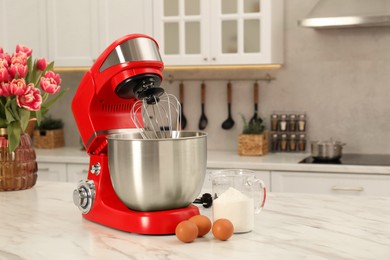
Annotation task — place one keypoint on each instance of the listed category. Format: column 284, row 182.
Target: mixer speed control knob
column 84, row 195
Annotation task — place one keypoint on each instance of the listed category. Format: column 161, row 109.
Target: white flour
column 236, row 207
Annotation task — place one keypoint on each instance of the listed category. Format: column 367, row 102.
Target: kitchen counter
column 62, row 155
column 229, row 159
column 42, row 223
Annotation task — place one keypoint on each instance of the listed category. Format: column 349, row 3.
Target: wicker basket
column 49, row 138
column 253, row 145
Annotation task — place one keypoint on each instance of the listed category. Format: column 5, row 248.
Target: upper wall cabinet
column 72, row 32
column 80, row 30
column 219, row 32
column 23, row 22
column 121, row 17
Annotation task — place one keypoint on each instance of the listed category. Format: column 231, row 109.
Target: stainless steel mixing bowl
column 157, row 174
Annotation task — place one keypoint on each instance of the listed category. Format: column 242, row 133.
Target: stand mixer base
column 147, row 223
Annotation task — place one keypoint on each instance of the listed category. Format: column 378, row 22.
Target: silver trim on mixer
column 108, row 132
column 136, row 49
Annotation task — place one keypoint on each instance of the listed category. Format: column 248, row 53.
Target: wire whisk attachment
column 159, row 119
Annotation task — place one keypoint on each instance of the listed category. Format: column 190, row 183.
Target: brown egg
column 186, row 231
column 203, row 223
column 222, row 229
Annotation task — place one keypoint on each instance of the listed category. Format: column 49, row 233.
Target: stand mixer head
column 128, row 70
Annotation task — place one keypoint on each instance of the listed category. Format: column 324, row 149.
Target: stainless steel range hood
column 347, row 14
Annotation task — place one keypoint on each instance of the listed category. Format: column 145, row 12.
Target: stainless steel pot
column 157, row 174
column 326, row 150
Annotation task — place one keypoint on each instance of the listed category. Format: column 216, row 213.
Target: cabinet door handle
column 347, row 188
column 44, row 169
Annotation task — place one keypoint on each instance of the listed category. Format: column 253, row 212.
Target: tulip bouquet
column 25, row 89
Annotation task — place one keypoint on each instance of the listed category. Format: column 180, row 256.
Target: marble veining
column 43, row 223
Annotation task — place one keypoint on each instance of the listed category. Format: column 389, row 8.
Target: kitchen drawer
column 330, row 183
column 77, row 172
column 52, row 172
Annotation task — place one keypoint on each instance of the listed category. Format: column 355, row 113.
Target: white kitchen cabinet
column 52, row 172
column 72, row 28
column 23, row 22
column 77, row 172
column 62, row 172
column 219, row 32
column 121, row 17
column 331, row 183
column 79, row 31
column 72, row 32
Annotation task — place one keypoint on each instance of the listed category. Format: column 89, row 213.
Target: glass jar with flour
column 239, row 195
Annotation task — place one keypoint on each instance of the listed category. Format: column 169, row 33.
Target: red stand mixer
column 127, row 71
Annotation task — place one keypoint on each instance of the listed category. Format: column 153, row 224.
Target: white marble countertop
column 42, row 223
column 229, row 159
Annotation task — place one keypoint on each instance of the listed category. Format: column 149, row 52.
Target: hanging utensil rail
column 267, row 77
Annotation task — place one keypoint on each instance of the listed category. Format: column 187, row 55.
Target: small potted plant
column 253, row 140
column 49, row 134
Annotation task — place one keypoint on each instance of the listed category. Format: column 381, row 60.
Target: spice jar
column 274, row 143
column 283, row 123
column 302, row 123
column 292, row 147
column 302, row 143
column 274, row 122
column 283, row 143
column 292, row 122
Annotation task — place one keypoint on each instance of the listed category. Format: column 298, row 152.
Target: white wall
column 340, row 77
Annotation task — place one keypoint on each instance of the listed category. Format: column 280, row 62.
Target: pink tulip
column 19, row 57
column 6, row 57
column 18, row 87
column 41, row 64
column 3, row 73
column 32, row 100
column 51, row 74
column 1, row 50
column 24, row 49
column 50, row 82
column 18, row 70
column 5, row 89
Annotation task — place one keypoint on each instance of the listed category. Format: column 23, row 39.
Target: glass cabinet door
column 182, row 25
column 219, row 32
column 238, row 24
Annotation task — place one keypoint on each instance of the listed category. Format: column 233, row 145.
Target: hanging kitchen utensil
column 256, row 102
column 229, row 122
column 182, row 117
column 203, row 119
